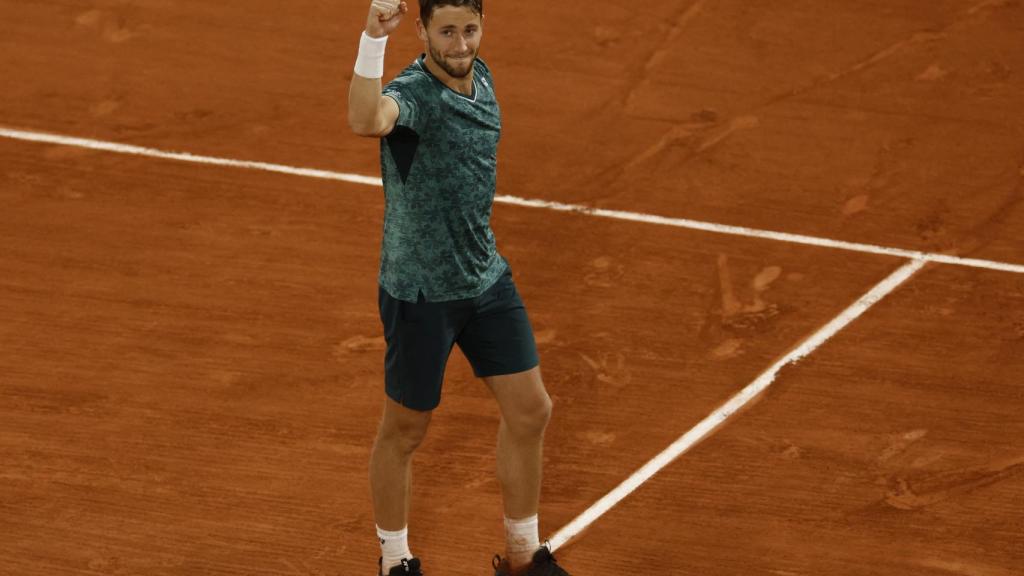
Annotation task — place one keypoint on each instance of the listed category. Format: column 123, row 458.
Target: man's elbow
column 373, row 127
column 361, row 128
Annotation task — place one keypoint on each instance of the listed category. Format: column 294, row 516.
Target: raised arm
column 370, row 113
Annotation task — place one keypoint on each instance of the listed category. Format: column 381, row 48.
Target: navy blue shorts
column 492, row 330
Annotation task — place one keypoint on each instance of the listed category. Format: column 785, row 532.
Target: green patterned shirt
column 439, row 167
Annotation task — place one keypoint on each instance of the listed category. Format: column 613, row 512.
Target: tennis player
column 442, row 280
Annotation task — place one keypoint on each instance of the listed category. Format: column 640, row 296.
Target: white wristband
column 370, row 62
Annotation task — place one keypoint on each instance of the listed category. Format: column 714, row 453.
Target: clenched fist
column 384, row 17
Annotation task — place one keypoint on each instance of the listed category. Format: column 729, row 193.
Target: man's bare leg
column 525, row 412
column 401, row 432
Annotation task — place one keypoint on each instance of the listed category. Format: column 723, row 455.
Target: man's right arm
column 369, row 112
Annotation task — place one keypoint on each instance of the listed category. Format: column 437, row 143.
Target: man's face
column 453, row 38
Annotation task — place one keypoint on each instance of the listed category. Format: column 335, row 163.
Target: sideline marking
column 557, row 206
column 709, row 424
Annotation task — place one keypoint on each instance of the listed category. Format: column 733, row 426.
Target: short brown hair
column 427, row 7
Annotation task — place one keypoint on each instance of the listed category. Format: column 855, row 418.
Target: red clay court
column 773, row 254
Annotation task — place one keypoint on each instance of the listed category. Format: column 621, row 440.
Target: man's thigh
column 498, row 339
column 420, row 337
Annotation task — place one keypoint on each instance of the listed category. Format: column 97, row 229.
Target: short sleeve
column 403, row 91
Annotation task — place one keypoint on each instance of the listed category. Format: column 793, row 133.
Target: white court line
column 767, row 235
column 183, row 156
column 741, row 399
column 557, row 206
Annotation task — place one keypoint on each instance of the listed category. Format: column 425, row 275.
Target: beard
column 460, row 70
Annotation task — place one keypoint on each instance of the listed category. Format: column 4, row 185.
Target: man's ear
column 421, row 30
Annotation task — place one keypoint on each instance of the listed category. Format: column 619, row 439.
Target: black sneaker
column 408, row 567
column 543, row 564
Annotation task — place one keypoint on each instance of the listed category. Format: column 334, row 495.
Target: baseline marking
column 183, row 156
column 742, row 398
column 767, row 235
column 556, row 206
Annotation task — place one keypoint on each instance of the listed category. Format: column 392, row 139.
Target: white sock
column 393, row 547
column 522, row 539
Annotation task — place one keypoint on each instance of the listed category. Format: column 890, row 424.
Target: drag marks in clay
column 915, row 473
column 113, row 27
column 741, row 316
column 914, row 491
column 742, row 312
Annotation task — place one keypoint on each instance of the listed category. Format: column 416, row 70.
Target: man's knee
column 403, row 428
column 530, row 419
